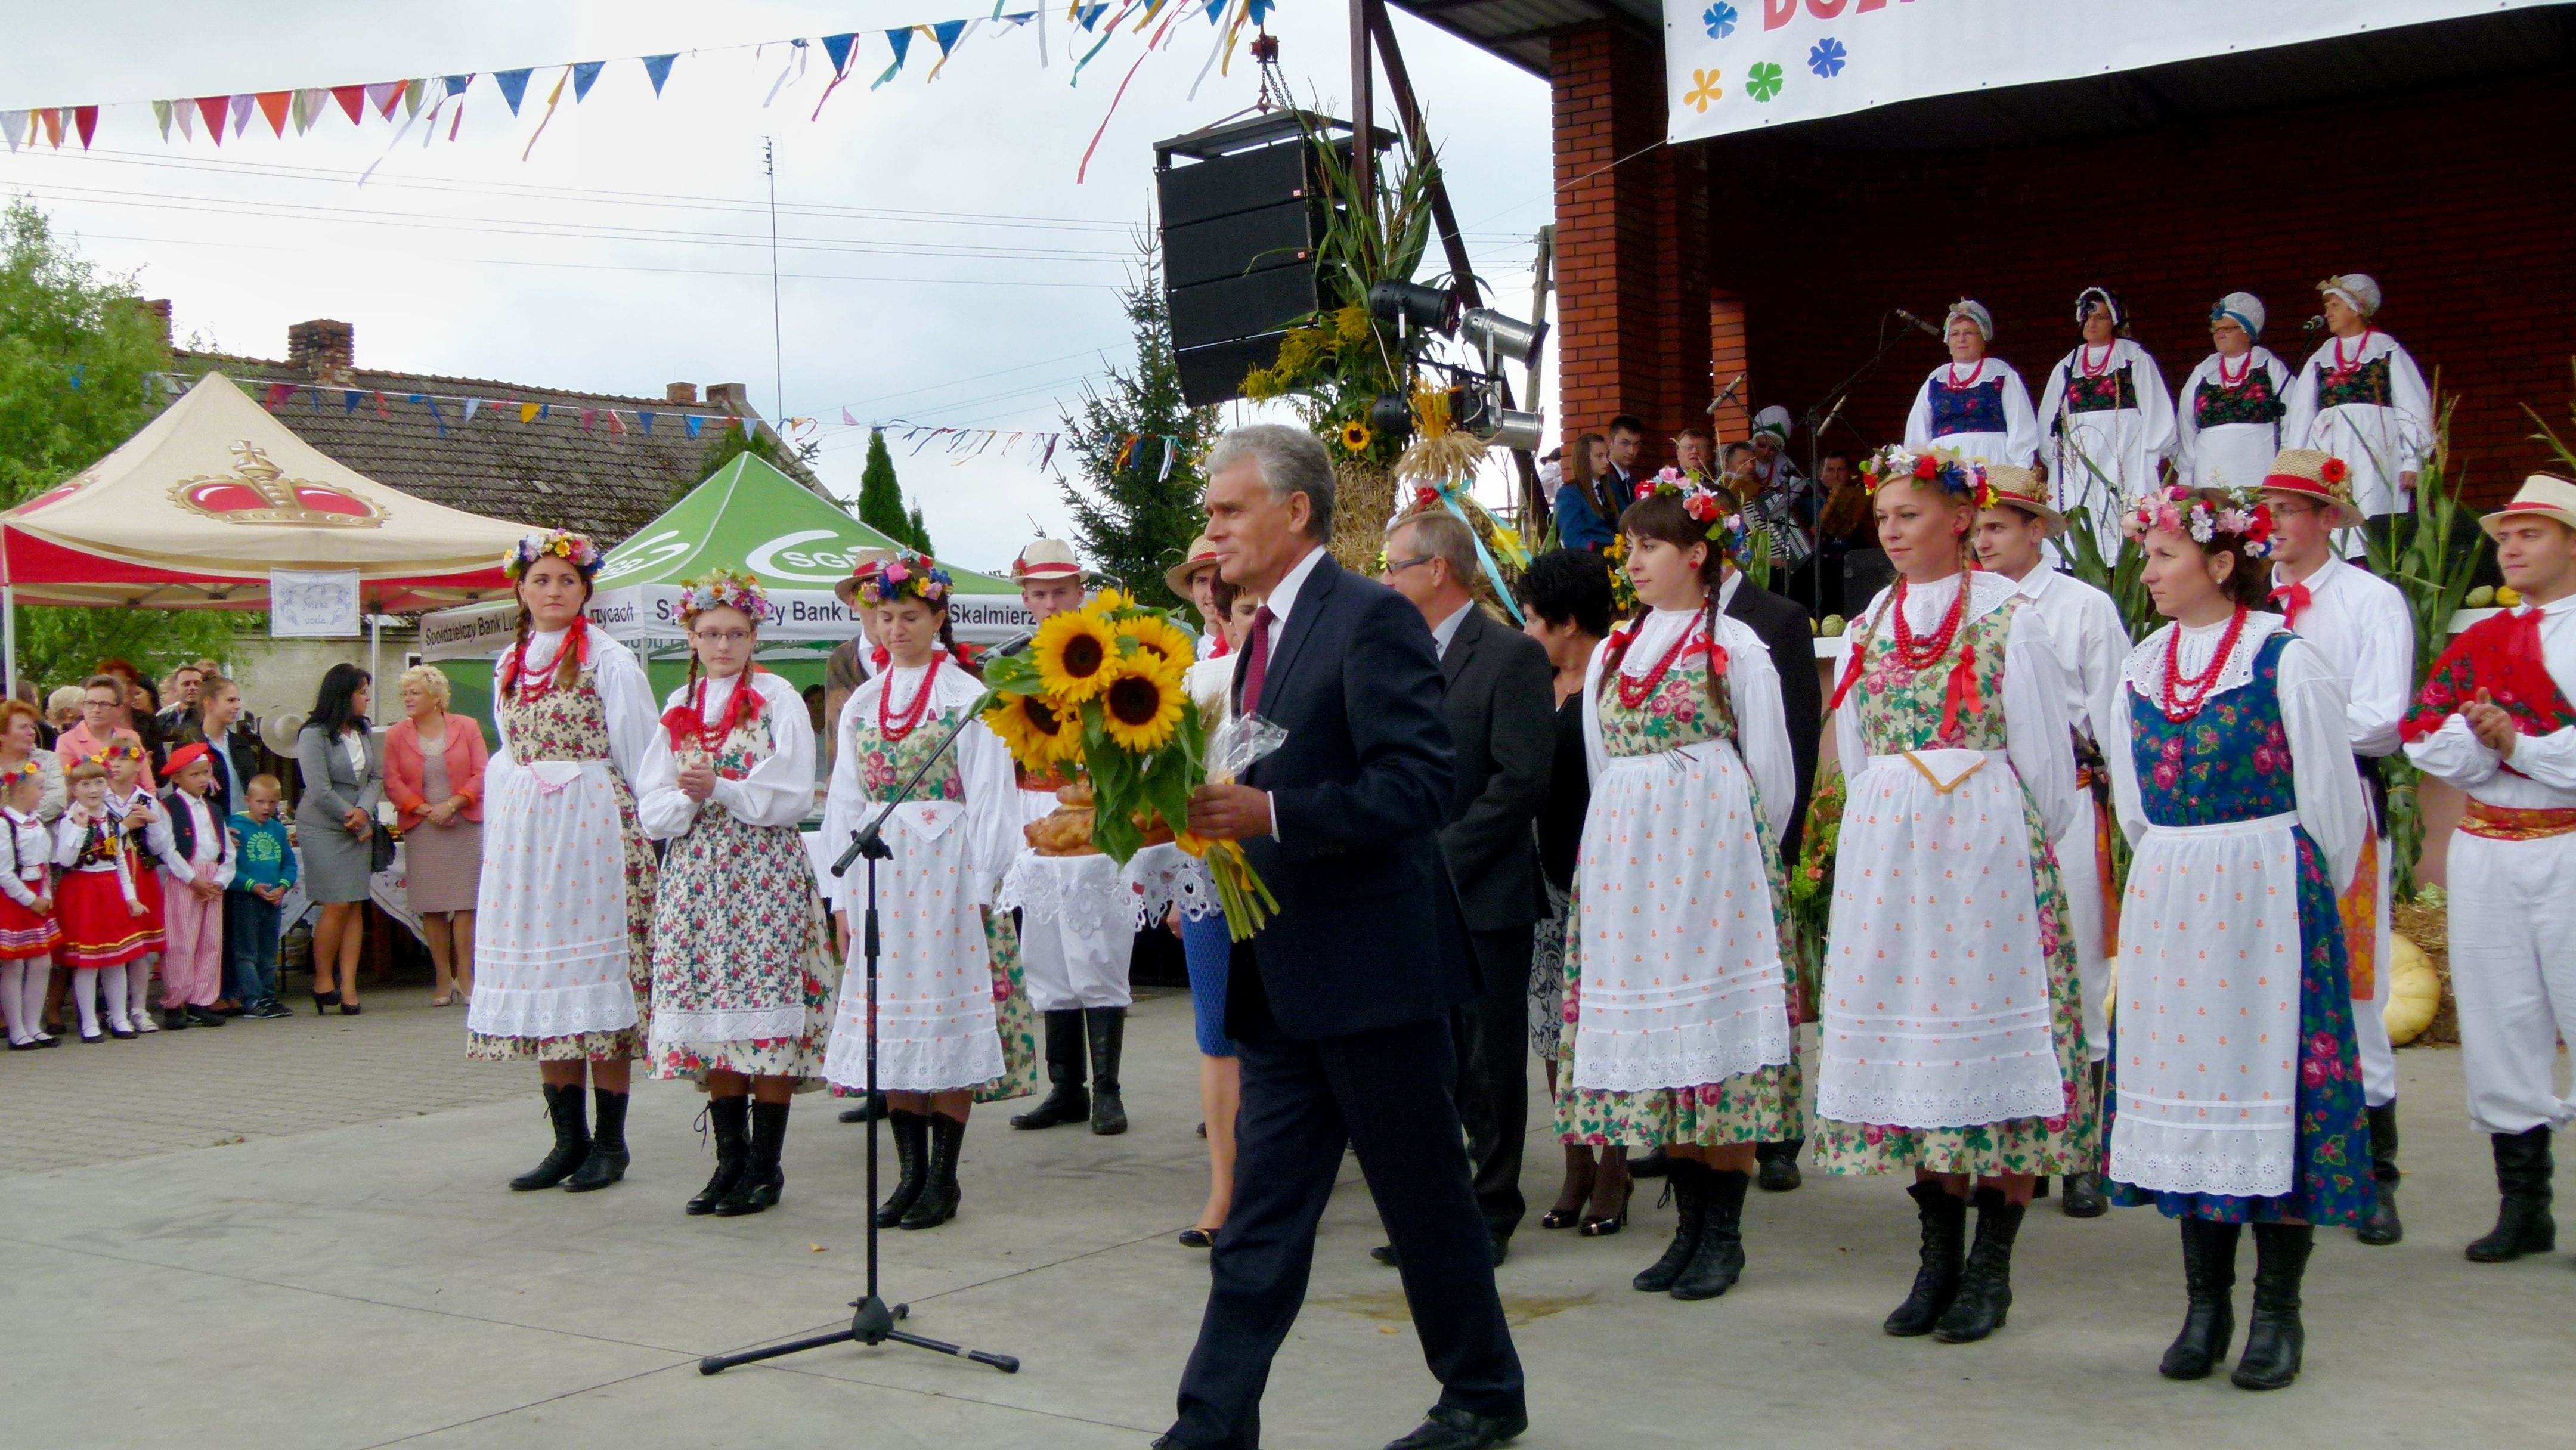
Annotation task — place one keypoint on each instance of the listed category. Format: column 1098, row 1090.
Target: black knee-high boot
column 2274, row 1338
column 911, row 1134
column 1684, row 1180
column 939, row 1193
column 2383, row 1227
column 572, row 1139
column 608, row 1156
column 2084, row 1197
column 1719, row 1260
column 1106, row 1030
column 2523, row 1222
column 1985, row 1282
column 762, row 1179
column 1936, row 1283
column 1065, row 1102
column 2209, row 1277
column 730, row 1119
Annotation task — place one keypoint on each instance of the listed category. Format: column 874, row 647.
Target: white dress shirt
column 778, row 790
column 2543, row 773
column 2085, row 632
column 1281, row 599
column 2360, row 623
column 1447, row 630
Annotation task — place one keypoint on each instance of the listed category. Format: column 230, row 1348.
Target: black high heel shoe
column 323, row 1002
column 1602, row 1226
column 350, row 1009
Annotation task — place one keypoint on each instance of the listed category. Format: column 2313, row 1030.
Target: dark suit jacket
column 1501, row 712
column 1366, row 933
column 1784, row 629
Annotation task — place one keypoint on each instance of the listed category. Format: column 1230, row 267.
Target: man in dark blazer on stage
column 1339, row 1005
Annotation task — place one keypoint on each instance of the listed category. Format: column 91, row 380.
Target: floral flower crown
column 574, row 549
column 1946, row 471
column 12, row 774
column 1708, row 505
column 723, row 589
column 907, row 574
column 2178, row 510
column 110, row 755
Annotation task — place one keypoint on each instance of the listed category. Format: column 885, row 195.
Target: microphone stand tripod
column 872, row 1321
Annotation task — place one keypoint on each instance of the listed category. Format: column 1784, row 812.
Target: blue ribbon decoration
column 1449, row 494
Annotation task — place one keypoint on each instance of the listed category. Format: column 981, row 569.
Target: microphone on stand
column 1727, row 396
column 2313, row 326
column 1928, row 328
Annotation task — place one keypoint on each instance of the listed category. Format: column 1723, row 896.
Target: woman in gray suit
column 335, row 824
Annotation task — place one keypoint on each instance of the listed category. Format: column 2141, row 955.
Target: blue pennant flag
column 901, row 40
column 456, row 84
column 314, row 395
column 693, row 422
column 349, row 401
column 838, row 48
column 583, row 73
column 1259, row 9
column 1216, row 10
column 946, row 32
column 514, row 85
column 1091, row 14
column 647, row 420
column 437, row 418
column 657, row 69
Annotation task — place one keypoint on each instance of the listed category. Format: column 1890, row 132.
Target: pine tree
column 1138, row 445
column 917, row 533
column 881, row 496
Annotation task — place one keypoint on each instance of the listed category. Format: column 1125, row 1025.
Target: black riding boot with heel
column 2382, row 1228
column 2274, row 1338
column 572, row 1139
column 1685, row 1181
column 939, row 1194
column 911, row 1134
column 1985, row 1283
column 762, row 1179
column 1105, row 1029
column 2209, row 1277
column 1945, row 1232
column 608, row 1156
column 1065, row 1101
column 1719, row 1260
column 730, row 1120
column 2523, row 1223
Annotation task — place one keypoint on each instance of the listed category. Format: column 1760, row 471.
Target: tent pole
column 9, row 631
column 376, row 652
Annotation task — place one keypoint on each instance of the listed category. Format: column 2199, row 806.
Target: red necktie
column 2298, row 597
column 1256, row 659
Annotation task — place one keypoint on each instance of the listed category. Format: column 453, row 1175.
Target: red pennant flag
column 52, row 116
column 381, row 410
column 588, row 417
column 85, row 121
column 273, row 105
column 350, row 98
column 214, row 109
column 615, row 426
column 279, row 393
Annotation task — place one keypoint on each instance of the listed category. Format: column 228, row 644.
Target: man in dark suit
column 1784, row 628
column 1339, row 1005
column 1502, row 722
column 1627, row 444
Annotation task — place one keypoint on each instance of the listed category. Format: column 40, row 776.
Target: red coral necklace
column 1970, row 380
column 1635, row 693
column 1920, row 654
column 892, row 729
column 2183, row 695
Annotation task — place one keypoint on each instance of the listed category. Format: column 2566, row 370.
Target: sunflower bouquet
column 1100, row 692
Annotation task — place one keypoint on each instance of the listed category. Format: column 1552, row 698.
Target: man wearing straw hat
column 2362, row 625
column 854, row 660
column 2014, row 524
column 1194, row 579
column 1078, row 982
column 2494, row 720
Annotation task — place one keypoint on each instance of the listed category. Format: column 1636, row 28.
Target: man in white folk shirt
column 2494, row 720
column 2361, row 623
column 2013, row 528
column 1077, row 980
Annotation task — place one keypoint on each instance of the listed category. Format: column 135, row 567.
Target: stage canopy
column 198, row 508
column 746, row 516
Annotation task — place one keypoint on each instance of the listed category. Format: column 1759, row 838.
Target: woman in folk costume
column 1973, row 405
column 954, row 1023
column 564, row 915
column 742, row 963
column 2236, row 1080
column 29, row 934
column 2228, row 414
column 2108, row 420
column 2362, row 399
column 1952, row 1032
column 1679, row 1024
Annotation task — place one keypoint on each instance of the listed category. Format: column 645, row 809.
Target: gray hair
column 1439, row 534
column 1289, row 460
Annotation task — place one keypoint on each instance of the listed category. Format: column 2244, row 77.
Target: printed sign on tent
column 313, row 604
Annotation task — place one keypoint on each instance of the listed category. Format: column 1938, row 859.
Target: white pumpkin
column 2414, row 992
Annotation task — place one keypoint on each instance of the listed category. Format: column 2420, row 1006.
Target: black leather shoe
column 1384, row 1254
column 572, row 1140
column 2382, row 1227
column 1448, row 1428
column 2084, row 1197
column 1652, row 1165
column 2275, row 1338
column 174, row 1019
column 2209, row 1276
column 607, row 1160
column 868, row 1111
column 1944, row 1216
column 729, row 1120
column 2523, row 1222
column 1780, row 1172
column 203, row 1017
column 1718, row 1261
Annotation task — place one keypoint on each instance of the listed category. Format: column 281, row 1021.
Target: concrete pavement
column 350, row 1273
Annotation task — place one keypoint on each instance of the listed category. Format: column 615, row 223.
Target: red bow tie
column 2299, row 598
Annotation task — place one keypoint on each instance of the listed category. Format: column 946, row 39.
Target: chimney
column 685, row 394
column 158, row 309
column 323, row 348
column 734, row 398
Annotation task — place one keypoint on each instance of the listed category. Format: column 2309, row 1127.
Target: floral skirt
column 2069, row 1142
column 2330, row 1179
column 1547, row 977
column 743, row 970
column 621, row 1044
column 1014, row 1018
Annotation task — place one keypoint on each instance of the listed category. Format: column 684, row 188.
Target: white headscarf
column 1973, row 311
column 2358, row 290
column 1773, row 420
column 2245, row 308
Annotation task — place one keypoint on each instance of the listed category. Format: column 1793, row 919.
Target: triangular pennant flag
column 314, row 396
column 1216, row 10
column 242, row 107
column 837, row 47
column 945, row 32
column 456, row 84
column 1259, row 9
column 160, row 117
column 414, row 92
column 350, row 99
column 545, row 411
column 80, row 375
column 381, row 97
column 646, row 419
column 349, row 400
column 471, row 405
column 13, row 127
column 382, row 411
column 614, row 426
column 528, row 412
column 274, row 105
column 901, row 41
column 657, row 69
column 185, row 113
column 437, row 419
column 51, row 117
column 588, row 417
column 1091, row 15
column 212, row 109
column 847, row 421
column 691, row 423
column 308, row 107
column 514, row 85
column 583, row 73
column 279, row 393
column 85, row 121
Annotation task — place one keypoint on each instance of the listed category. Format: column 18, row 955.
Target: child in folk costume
column 2237, row 1081
column 954, row 1025
column 564, row 916
column 1952, row 1034
column 192, row 960
column 2495, row 720
column 99, row 902
column 2228, row 414
column 2014, row 523
column 1973, row 405
column 2362, row 399
column 2107, row 419
column 1678, row 1015
column 146, row 829
column 742, row 963
column 28, row 932
column 2361, row 624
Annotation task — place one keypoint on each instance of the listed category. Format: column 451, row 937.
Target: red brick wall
column 2462, row 204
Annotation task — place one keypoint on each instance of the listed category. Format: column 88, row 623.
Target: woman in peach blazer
column 434, row 777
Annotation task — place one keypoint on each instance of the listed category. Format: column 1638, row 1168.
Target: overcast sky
column 941, row 264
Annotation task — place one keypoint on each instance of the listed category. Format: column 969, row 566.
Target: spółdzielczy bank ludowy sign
column 1740, row 65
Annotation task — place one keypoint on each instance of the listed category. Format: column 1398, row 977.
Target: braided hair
column 567, row 661
column 1663, row 516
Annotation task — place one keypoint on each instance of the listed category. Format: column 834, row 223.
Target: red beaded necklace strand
column 1635, row 693
column 887, row 725
column 1920, row 654
column 2183, row 695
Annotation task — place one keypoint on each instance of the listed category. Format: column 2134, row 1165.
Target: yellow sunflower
column 1072, row 652
column 1109, row 601
column 1356, row 437
column 1158, row 637
column 1038, row 737
column 1141, row 708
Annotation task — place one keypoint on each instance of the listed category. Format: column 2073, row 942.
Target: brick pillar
column 1729, row 357
column 1632, row 244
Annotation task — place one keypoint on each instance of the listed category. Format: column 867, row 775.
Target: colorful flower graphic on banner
column 1720, row 19
column 1704, row 89
column 1826, row 57
column 1762, row 82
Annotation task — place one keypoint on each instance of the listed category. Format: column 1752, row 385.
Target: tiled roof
column 551, row 472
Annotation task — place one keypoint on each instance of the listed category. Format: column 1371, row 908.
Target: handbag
column 380, row 849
